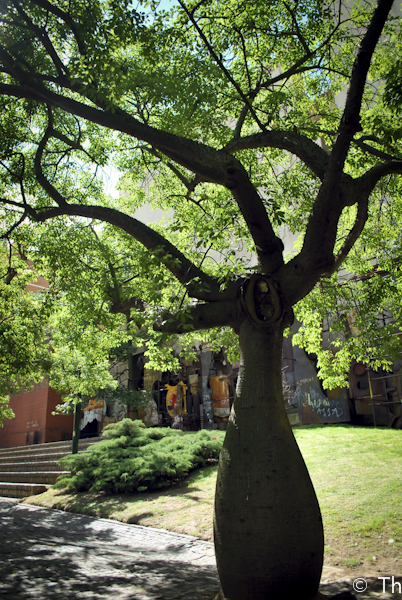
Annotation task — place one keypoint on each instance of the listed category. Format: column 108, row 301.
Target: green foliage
column 5, row 411
column 257, row 67
column 134, row 399
column 134, row 458
column 24, row 352
column 357, row 314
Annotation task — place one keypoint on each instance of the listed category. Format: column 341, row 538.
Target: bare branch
column 296, row 67
column 74, row 145
column 13, row 203
column 13, row 227
column 300, row 37
column 186, row 182
column 244, row 51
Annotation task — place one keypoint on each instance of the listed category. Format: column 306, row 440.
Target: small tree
column 204, row 106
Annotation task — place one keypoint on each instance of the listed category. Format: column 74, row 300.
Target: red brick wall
column 33, row 422
column 58, row 427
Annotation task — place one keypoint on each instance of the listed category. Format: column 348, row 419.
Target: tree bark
column 267, row 524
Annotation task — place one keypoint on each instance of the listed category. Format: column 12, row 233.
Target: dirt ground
column 386, row 562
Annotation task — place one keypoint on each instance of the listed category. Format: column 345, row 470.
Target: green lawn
column 357, row 474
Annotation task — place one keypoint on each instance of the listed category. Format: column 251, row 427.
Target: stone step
column 29, row 470
column 51, row 448
column 45, row 465
column 21, row 490
column 38, row 477
column 38, row 458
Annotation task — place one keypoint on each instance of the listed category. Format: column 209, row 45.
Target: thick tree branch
column 201, row 316
column 354, row 233
column 368, row 181
column 209, row 163
column 335, row 192
column 44, row 38
column 351, row 115
column 11, row 273
column 125, row 305
column 297, row 278
column 240, row 121
column 373, row 151
column 269, row 248
column 206, row 287
column 217, row 166
column 301, row 146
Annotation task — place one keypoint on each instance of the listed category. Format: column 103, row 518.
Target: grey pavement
column 50, row 554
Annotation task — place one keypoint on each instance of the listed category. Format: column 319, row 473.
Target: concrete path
column 54, row 555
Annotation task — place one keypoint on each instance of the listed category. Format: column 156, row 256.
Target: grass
column 185, row 507
column 357, row 474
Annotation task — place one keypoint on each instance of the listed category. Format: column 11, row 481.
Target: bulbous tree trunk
column 268, row 529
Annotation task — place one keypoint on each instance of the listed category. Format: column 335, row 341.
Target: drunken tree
column 227, row 114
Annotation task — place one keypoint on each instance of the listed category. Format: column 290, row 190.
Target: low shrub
column 136, row 458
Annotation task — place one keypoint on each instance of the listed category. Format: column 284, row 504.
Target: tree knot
column 263, row 300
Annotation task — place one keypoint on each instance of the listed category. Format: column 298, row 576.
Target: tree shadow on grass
column 51, row 555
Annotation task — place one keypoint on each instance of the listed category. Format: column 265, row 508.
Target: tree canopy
column 229, row 118
column 243, row 121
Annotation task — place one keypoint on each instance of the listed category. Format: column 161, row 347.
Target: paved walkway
column 50, row 554
column 54, row 555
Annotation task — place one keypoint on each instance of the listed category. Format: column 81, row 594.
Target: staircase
column 28, row 470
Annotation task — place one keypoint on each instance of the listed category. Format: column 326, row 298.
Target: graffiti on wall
column 316, row 407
